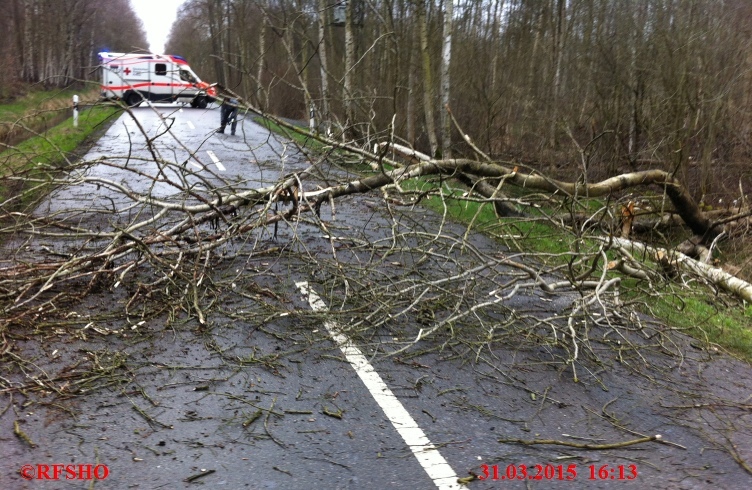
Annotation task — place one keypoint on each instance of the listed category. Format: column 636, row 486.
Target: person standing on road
column 228, row 113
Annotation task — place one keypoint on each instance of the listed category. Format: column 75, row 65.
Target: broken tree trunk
column 683, row 203
column 677, row 260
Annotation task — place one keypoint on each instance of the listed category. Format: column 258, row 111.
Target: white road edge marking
column 190, row 123
column 428, row 456
column 216, row 160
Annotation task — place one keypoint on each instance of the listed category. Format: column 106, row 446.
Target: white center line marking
column 428, row 456
column 216, row 160
column 190, row 124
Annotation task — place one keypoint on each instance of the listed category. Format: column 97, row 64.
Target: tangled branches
column 161, row 222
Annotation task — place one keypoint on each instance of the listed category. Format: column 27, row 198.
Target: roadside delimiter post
column 75, row 111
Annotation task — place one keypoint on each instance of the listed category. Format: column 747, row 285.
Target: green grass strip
column 41, row 156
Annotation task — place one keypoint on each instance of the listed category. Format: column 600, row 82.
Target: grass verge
column 300, row 139
column 28, row 167
column 38, row 111
column 694, row 309
column 701, row 315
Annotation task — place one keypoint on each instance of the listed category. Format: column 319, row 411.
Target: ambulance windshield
column 188, row 76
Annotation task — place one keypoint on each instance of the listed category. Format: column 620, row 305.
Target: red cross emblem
column 127, row 71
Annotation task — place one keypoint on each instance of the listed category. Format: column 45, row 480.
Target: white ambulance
column 135, row 77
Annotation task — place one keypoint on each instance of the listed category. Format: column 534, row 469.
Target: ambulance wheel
column 201, row 102
column 133, row 99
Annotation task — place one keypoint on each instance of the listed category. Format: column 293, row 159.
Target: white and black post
column 312, row 120
column 75, row 111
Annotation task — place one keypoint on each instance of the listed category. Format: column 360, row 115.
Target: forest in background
column 600, row 87
column 54, row 43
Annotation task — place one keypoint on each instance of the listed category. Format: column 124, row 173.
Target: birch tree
column 446, row 58
column 429, row 92
column 323, row 64
column 348, row 89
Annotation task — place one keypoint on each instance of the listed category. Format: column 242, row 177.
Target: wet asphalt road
column 247, row 405
column 252, row 158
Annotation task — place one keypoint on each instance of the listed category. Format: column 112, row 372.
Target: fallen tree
column 673, row 261
column 178, row 236
column 472, row 172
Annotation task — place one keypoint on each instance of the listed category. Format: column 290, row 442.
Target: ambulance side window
column 160, row 69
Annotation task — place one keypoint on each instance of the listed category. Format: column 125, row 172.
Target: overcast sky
column 157, row 16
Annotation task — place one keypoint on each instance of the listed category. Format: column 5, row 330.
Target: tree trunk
column 262, row 93
column 411, row 87
column 557, row 59
column 214, row 11
column 227, row 49
column 28, row 57
column 324, row 115
column 348, row 89
column 446, row 58
column 70, row 34
column 428, row 90
column 677, row 260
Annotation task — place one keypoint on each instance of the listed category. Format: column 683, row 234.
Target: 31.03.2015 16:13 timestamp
column 557, row 472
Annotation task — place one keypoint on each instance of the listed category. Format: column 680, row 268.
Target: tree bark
column 348, row 88
column 324, row 67
column 677, row 260
column 557, row 60
column 411, row 87
column 685, row 206
column 263, row 94
column 428, row 90
column 446, row 58
column 28, row 56
column 214, row 11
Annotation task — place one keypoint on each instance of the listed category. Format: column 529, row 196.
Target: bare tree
column 348, row 87
column 446, row 60
column 428, row 88
column 323, row 63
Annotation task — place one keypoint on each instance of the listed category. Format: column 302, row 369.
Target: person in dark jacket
column 228, row 113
